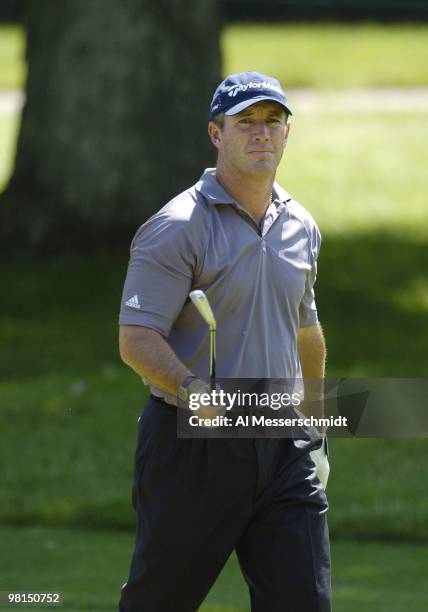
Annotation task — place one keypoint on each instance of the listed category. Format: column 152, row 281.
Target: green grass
column 90, row 567
column 317, row 55
column 330, row 56
column 12, row 60
column 372, row 303
column 360, row 173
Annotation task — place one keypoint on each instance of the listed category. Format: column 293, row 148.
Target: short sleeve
column 160, row 272
column 308, row 310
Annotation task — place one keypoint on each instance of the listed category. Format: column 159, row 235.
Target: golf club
column 202, row 304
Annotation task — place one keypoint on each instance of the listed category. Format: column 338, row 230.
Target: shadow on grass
column 372, row 296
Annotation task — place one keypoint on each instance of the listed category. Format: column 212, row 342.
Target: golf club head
column 201, row 302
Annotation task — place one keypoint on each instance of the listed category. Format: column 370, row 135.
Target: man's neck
column 253, row 193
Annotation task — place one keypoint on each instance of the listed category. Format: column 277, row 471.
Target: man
column 241, row 238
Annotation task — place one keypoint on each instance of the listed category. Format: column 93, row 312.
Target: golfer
column 241, row 238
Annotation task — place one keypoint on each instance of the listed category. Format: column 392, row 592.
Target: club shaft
column 212, row 357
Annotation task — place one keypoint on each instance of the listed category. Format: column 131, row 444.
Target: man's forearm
column 312, row 353
column 151, row 357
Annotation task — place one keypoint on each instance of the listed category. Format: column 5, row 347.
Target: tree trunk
column 114, row 124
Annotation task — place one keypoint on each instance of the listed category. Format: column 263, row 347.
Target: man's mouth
column 260, row 151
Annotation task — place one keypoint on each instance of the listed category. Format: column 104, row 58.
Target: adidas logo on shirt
column 133, row 302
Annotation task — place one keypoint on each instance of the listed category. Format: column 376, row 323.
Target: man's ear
column 214, row 132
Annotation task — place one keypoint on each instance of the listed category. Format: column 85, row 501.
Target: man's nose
column 261, row 132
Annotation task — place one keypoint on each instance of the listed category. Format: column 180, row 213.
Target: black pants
column 199, row 499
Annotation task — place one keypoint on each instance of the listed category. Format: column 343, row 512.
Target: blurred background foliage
column 68, row 407
column 291, row 10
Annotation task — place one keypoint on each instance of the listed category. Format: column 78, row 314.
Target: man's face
column 253, row 141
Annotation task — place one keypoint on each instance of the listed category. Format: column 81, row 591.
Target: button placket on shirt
column 270, row 217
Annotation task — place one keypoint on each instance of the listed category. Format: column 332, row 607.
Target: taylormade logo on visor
column 235, row 89
column 238, row 91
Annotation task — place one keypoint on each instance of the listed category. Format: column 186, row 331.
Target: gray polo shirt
column 259, row 281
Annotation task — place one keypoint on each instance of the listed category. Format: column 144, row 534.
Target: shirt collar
column 279, row 195
column 211, row 189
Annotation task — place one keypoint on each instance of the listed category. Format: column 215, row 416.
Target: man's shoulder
column 183, row 218
column 183, row 212
column 186, row 207
column 296, row 210
column 302, row 214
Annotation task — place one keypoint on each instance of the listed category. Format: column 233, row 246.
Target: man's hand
column 200, row 394
column 320, row 458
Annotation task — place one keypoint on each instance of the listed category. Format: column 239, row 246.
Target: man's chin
column 263, row 167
